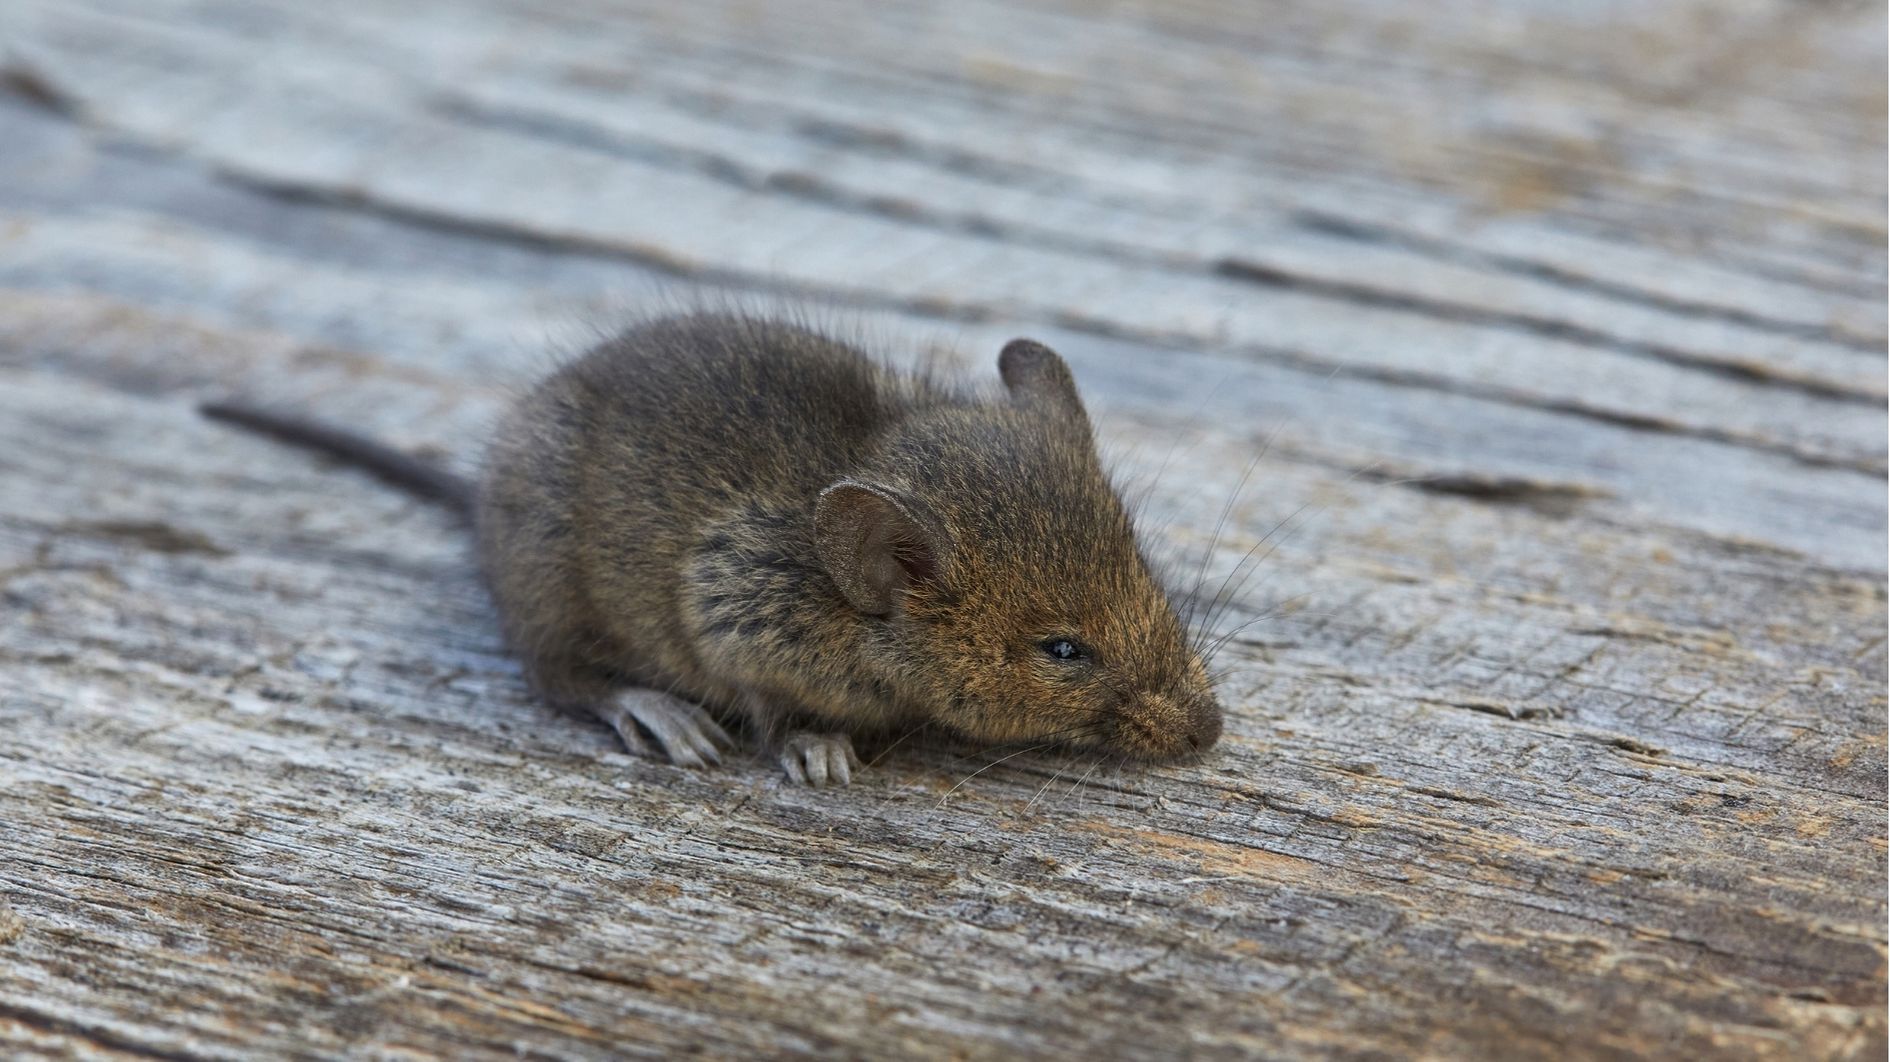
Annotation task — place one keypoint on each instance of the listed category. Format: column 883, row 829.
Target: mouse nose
column 1205, row 718
column 1164, row 727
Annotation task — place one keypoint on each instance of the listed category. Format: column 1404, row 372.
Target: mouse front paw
column 819, row 759
column 687, row 735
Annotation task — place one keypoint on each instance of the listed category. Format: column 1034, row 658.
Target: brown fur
column 758, row 518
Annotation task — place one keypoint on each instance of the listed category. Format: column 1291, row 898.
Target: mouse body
column 716, row 516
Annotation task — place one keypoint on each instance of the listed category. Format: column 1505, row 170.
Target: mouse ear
column 1036, row 375
column 873, row 543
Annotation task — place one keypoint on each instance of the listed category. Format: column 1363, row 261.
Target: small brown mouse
column 722, row 515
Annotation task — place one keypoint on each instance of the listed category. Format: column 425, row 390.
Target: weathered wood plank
column 498, row 311
column 1560, row 727
column 295, row 130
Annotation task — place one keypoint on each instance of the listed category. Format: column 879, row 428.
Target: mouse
column 715, row 519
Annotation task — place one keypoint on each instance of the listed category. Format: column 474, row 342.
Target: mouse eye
column 1066, row 649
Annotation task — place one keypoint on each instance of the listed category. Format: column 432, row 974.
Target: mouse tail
column 401, row 469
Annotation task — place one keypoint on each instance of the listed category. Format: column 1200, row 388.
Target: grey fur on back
column 705, row 430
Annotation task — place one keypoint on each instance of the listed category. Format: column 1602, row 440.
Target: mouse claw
column 819, row 760
column 688, row 735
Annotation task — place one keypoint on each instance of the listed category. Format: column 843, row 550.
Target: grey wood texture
column 1557, row 722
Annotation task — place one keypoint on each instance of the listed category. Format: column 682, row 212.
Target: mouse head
column 997, row 572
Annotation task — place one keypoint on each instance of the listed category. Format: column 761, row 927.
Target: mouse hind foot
column 819, row 759
column 649, row 720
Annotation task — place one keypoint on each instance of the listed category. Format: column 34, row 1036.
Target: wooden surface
column 1560, row 727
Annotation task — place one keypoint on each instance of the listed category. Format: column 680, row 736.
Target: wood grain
column 1556, row 701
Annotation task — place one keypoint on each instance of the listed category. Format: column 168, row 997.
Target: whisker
column 986, row 767
column 1226, row 596
column 887, row 751
column 1220, row 523
column 1220, row 597
column 1267, row 613
column 1042, row 789
column 1097, row 762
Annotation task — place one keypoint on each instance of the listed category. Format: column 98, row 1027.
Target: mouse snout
column 1165, row 728
column 1204, row 715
